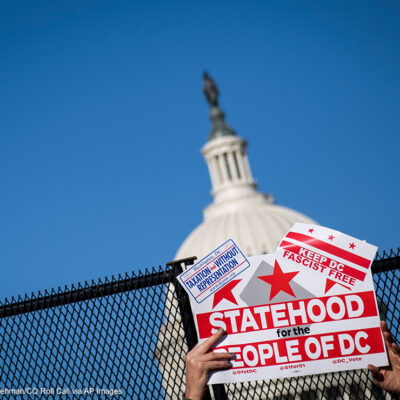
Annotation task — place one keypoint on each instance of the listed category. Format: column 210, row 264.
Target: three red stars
column 226, row 293
column 279, row 281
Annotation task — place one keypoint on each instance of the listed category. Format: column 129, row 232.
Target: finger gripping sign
column 308, row 308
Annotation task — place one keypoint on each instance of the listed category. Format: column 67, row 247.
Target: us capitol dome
column 257, row 224
column 238, row 210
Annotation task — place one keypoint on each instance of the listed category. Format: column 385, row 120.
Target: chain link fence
column 127, row 338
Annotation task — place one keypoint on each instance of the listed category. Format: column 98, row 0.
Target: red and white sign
column 308, row 308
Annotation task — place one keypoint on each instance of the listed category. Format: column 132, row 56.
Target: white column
column 239, row 159
column 247, row 166
column 232, row 167
column 212, row 172
column 214, row 168
column 222, row 168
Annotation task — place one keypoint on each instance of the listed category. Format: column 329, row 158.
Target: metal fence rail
column 127, row 338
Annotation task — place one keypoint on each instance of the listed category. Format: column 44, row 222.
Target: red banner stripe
column 296, row 249
column 349, row 343
column 236, row 320
column 336, row 251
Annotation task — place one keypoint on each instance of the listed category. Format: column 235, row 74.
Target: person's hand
column 388, row 378
column 199, row 361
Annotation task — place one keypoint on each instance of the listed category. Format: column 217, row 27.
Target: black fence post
column 187, row 318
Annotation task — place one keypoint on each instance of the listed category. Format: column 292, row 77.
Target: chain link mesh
column 128, row 337
column 103, row 347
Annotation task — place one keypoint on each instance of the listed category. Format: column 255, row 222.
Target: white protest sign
column 308, row 308
column 214, row 271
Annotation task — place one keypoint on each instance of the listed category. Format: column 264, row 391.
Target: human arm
column 388, row 378
column 200, row 361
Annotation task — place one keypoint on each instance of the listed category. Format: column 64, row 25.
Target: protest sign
column 308, row 308
column 214, row 271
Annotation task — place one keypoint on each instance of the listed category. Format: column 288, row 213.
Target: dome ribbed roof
column 256, row 228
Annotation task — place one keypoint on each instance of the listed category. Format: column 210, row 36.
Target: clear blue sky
column 103, row 117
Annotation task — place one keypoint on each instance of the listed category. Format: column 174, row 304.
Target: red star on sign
column 226, row 293
column 279, row 281
column 311, row 230
column 330, row 283
column 352, row 246
column 331, row 237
